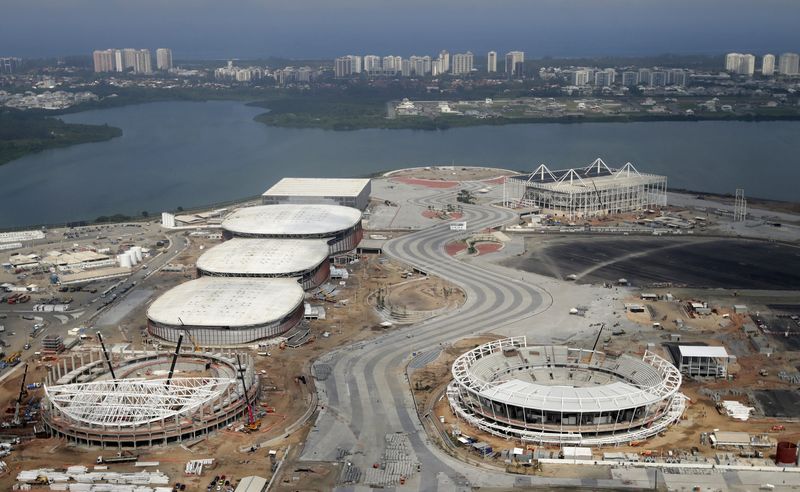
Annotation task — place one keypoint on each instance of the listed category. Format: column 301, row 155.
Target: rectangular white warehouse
column 697, row 360
column 333, row 191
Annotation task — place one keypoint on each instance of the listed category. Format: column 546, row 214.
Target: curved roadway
column 366, row 395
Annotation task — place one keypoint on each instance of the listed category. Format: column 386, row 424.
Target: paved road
column 366, row 394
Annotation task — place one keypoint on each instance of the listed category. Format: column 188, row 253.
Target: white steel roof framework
column 594, row 190
column 134, row 402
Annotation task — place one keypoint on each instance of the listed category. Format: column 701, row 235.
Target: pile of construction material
column 736, row 410
column 79, row 478
column 195, row 467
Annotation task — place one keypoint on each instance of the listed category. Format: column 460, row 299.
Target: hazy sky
column 327, row 28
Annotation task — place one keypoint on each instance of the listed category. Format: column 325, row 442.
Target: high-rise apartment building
column 164, row 59
column 103, row 60
column 630, row 79
column 143, row 63
column 355, row 63
column 392, row 64
column 119, row 61
column 659, row 78
column 444, row 57
column 405, row 67
column 580, row 77
column 463, row 63
column 491, row 62
column 677, row 76
column 738, row 63
column 515, row 64
column 789, row 64
column 420, row 65
column 605, row 78
column 342, row 67
column 372, row 63
column 645, row 76
column 768, row 65
column 10, row 64
column 128, row 59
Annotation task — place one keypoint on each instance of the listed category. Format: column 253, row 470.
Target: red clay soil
column 497, row 181
column 430, row 183
column 455, row 247
column 486, row 248
column 430, row 214
column 456, row 215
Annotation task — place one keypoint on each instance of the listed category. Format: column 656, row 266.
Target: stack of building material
column 195, row 467
column 737, row 410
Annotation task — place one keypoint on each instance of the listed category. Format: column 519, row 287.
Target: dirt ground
column 349, row 319
column 426, row 294
column 700, row 416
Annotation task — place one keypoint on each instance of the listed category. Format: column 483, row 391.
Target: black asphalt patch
column 779, row 403
column 693, row 262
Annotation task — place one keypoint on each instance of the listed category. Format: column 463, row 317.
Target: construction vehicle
column 22, row 392
column 253, row 424
column 194, row 343
column 13, row 359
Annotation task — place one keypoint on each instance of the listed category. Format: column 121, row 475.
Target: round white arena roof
column 291, row 219
column 561, row 379
column 254, row 256
column 227, row 301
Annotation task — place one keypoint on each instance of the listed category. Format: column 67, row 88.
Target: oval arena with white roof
column 562, row 395
column 227, row 311
column 303, row 259
column 339, row 226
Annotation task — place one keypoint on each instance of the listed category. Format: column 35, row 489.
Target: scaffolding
column 587, row 192
column 740, row 206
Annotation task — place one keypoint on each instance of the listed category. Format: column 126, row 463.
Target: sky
column 219, row 29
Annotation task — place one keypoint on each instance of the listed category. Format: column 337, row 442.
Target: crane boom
column 174, row 359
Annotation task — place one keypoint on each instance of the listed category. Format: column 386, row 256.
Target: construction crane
column 174, row 359
column 596, row 340
column 191, row 338
column 16, row 421
column 105, row 353
column 253, row 424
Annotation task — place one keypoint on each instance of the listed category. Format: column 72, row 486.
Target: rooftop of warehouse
column 318, row 187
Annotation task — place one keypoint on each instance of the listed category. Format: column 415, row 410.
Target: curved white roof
column 291, row 219
column 134, row 402
column 506, row 371
column 227, row 301
column 255, row 256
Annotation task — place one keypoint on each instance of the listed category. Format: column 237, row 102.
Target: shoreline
column 765, row 203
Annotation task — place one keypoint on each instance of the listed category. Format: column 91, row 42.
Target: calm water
column 186, row 154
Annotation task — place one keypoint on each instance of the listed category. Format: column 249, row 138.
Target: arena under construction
column 587, row 192
column 136, row 399
column 561, row 395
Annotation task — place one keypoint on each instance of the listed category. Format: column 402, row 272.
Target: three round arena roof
column 291, row 220
column 227, row 301
column 263, row 257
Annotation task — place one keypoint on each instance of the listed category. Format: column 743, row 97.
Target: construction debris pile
column 79, row 478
